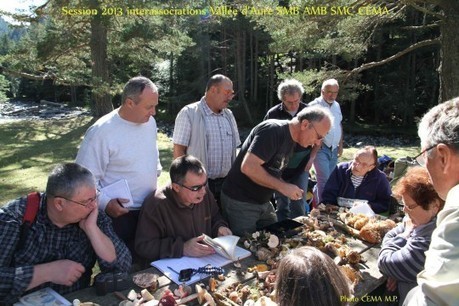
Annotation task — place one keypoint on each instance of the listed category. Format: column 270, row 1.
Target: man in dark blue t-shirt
column 256, row 173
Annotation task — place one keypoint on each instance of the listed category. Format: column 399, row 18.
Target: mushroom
column 212, row 284
column 273, row 241
column 209, row 299
column 146, row 295
column 132, row 295
column 263, row 254
column 200, row 291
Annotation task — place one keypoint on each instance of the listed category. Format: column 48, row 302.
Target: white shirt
column 333, row 138
column 114, row 148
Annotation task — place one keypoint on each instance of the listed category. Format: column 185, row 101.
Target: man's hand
column 194, row 248
column 66, row 272
column 115, row 208
column 91, row 220
column 62, row 272
column 224, row 231
column 408, row 224
column 291, row 191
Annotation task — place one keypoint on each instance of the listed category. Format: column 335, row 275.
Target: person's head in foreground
column 439, row 134
column 420, row 200
column 307, row 276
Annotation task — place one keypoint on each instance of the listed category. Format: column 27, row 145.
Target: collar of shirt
column 325, row 103
column 207, row 109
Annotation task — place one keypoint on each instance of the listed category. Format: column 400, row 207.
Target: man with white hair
column 438, row 283
column 332, row 145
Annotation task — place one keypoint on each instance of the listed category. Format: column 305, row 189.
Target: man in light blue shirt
column 332, row 144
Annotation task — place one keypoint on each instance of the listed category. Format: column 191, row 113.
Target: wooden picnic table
column 371, row 278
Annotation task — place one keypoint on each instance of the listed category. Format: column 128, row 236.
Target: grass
column 392, row 152
column 29, row 149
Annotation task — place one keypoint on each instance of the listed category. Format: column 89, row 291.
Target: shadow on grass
column 29, row 149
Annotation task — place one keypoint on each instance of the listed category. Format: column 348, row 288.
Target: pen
column 173, row 270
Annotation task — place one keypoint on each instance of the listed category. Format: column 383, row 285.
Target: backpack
column 31, row 210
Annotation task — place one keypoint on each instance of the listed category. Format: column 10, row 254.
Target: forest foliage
column 393, row 59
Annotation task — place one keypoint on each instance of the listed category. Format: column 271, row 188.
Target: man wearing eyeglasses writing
column 67, row 236
column 173, row 219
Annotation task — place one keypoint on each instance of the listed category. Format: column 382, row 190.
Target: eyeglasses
column 83, row 203
column 420, row 158
column 319, row 137
column 409, row 207
column 228, row 92
column 358, row 162
column 194, row 188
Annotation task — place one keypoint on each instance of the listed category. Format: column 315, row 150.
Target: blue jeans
column 288, row 209
column 324, row 163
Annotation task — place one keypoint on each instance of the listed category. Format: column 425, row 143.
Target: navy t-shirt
column 270, row 141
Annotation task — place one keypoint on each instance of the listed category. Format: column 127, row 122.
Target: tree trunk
column 271, row 59
column 240, row 69
column 449, row 67
column 73, row 96
column 224, row 52
column 252, row 65
column 100, row 76
column 255, row 75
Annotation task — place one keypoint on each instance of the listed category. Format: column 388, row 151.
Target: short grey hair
column 66, row 178
column 134, row 88
column 314, row 114
column 215, row 80
column 330, row 82
column 289, row 87
column 441, row 125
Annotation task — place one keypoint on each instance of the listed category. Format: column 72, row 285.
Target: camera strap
column 210, row 270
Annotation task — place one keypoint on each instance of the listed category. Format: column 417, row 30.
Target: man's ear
column 129, row 102
column 58, row 203
column 304, row 124
column 176, row 187
column 444, row 157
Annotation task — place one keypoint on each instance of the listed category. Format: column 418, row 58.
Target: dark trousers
column 125, row 227
column 215, row 185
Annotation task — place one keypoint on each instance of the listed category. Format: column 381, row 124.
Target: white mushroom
column 146, row 295
column 273, row 241
column 209, row 299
